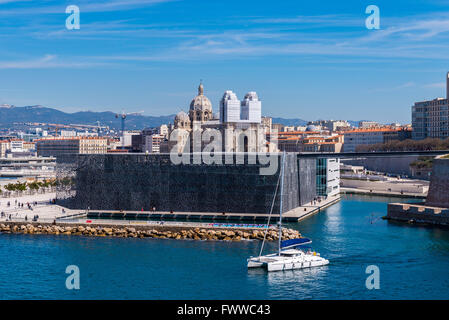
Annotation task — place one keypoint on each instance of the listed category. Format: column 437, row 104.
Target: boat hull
column 276, row 263
column 281, row 266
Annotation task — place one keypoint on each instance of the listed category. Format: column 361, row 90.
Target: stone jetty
column 143, row 231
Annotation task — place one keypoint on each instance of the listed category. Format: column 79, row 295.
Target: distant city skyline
column 304, row 60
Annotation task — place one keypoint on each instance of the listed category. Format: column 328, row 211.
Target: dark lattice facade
column 143, row 182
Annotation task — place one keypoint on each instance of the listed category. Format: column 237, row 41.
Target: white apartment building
column 331, row 125
column 430, row 119
column 4, row 145
column 163, row 130
column 16, row 145
column 368, row 124
column 358, row 137
column 153, row 143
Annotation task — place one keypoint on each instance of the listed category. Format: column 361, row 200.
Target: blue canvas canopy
column 295, row 242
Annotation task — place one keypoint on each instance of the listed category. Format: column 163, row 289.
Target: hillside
column 11, row 115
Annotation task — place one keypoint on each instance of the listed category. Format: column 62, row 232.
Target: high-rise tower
column 447, row 86
column 229, row 107
column 251, row 108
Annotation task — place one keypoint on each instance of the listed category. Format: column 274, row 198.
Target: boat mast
column 280, row 202
column 271, row 212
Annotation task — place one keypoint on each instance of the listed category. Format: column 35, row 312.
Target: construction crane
column 123, row 116
column 98, row 127
column 57, row 127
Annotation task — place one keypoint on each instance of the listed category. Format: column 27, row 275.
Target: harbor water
column 412, row 260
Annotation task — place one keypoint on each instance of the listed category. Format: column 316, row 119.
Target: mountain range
column 11, row 115
column 18, row 115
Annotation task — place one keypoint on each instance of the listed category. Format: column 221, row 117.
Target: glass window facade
column 321, row 176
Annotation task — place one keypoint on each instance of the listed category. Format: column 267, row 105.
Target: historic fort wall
column 439, row 184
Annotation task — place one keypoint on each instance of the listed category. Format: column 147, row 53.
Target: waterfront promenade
column 310, row 208
column 397, row 194
column 44, row 209
column 49, row 212
column 293, row 215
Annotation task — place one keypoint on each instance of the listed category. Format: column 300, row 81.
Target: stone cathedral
column 236, row 128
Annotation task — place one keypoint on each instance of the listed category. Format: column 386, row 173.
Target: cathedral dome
column 201, row 102
column 182, row 116
column 311, row 128
column 200, row 107
column 182, row 120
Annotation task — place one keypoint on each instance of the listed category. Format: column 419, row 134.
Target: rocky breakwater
column 231, row 234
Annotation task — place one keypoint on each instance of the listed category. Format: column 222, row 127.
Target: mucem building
column 136, row 182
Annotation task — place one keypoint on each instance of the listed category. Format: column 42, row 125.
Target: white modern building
column 28, row 167
column 249, row 110
column 328, row 176
column 16, row 145
column 68, row 133
column 230, row 107
column 333, row 176
column 126, row 138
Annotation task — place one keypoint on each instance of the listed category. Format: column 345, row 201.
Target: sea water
column 413, row 263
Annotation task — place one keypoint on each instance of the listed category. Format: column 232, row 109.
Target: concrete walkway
column 310, row 208
column 346, row 190
column 48, row 212
column 292, row 215
column 45, row 210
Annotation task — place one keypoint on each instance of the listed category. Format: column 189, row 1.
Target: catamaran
column 291, row 254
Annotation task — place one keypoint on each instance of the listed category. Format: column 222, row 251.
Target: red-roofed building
column 357, row 137
column 299, row 141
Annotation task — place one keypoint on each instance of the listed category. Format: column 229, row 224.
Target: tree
column 406, row 145
column 34, row 185
column 10, row 187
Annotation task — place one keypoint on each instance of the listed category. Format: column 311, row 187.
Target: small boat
column 291, row 254
column 290, row 257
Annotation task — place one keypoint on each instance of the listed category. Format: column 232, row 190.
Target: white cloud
column 45, row 62
column 11, row 1
column 438, row 85
column 84, row 5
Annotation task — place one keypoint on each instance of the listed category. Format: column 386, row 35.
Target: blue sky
column 306, row 59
